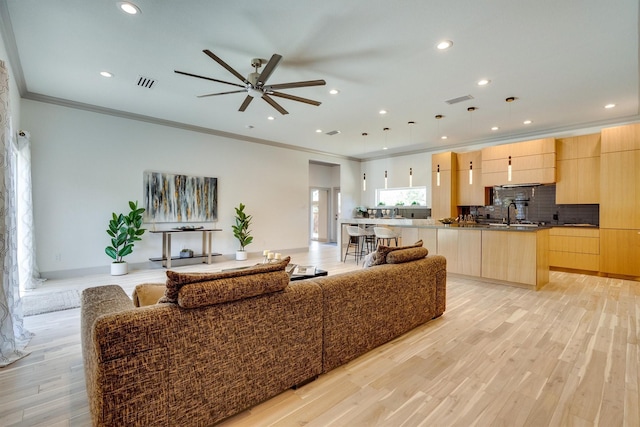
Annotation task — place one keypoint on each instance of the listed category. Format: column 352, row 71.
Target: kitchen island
column 515, row 255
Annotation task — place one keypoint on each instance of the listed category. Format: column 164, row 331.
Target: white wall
column 86, row 165
column 398, row 175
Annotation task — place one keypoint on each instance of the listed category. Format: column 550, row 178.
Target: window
column 406, row 196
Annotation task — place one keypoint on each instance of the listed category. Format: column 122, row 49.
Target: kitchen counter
column 426, row 223
column 516, row 255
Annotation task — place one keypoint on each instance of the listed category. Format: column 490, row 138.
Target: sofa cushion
column 406, row 255
column 218, row 291
column 147, row 294
column 176, row 281
column 380, row 255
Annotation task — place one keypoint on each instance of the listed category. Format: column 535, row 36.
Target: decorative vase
column 118, row 268
column 241, row 255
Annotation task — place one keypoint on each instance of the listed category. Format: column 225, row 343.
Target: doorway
column 319, row 220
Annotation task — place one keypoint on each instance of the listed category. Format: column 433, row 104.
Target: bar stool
column 369, row 240
column 385, row 234
column 357, row 238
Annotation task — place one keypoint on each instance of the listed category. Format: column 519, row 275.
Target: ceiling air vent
column 459, row 99
column 333, row 132
column 146, row 82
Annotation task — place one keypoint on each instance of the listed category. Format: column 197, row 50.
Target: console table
column 166, row 258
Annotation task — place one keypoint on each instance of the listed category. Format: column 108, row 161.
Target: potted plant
column 241, row 231
column 124, row 231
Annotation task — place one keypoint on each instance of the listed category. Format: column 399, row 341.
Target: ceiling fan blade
column 274, row 104
column 225, row 65
column 297, row 84
column 207, row 78
column 295, row 98
column 268, row 70
column 246, row 103
column 222, row 93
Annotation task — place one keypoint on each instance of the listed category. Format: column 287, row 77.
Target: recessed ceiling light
column 334, row 91
column 527, row 122
column 318, row 130
column 128, row 7
column 444, row 137
column 383, row 111
column 444, row 44
column 609, row 106
column 271, row 118
column 483, row 82
column 106, row 74
column 495, row 128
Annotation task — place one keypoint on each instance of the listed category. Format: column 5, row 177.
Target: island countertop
column 428, row 223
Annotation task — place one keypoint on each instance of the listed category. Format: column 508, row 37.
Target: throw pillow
column 368, row 260
column 147, row 294
column 212, row 292
column 380, row 256
column 176, row 280
column 406, row 255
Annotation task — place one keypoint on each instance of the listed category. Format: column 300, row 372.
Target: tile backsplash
column 535, row 204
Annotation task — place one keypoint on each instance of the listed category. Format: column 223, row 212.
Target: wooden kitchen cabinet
column 531, row 162
column 470, row 194
column 578, row 170
column 620, row 250
column 516, row 257
column 620, row 201
column 462, row 248
column 444, row 189
column 574, row 248
column 410, row 235
column 620, row 178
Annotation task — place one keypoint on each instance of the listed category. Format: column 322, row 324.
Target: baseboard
column 150, row 265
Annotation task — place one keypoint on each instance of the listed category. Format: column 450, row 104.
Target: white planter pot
column 118, row 268
column 241, row 255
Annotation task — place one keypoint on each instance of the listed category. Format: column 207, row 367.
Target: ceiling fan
column 255, row 84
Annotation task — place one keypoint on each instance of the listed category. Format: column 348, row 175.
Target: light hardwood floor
column 566, row 355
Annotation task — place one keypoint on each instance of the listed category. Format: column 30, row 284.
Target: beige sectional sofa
column 221, row 343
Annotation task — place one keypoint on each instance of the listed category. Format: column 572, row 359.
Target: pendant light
column 438, row 176
column 385, row 180
column 364, row 175
column 411, row 123
column 509, row 170
column 470, row 173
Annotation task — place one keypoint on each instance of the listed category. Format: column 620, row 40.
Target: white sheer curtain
column 13, row 336
column 28, row 271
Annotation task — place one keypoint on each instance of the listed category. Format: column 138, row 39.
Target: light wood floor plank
column 499, row 356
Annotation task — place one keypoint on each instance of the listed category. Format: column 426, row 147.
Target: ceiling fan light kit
column 255, row 83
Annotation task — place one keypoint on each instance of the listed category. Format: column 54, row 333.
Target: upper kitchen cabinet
column 529, row 162
column 620, row 138
column 620, row 178
column 578, row 170
column 444, row 186
column 470, row 186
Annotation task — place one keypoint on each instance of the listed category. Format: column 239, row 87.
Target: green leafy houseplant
column 124, row 231
column 241, row 228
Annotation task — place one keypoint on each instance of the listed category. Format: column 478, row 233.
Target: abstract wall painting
column 180, row 198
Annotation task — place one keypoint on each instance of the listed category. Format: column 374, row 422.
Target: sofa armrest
column 121, row 342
